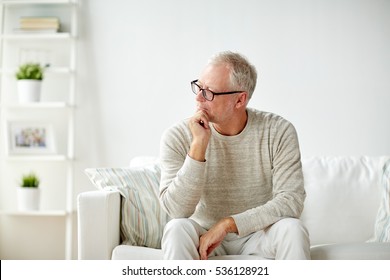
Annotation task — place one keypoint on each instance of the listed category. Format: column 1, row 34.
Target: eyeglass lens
column 206, row 93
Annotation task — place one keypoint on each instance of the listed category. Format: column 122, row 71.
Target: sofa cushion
column 382, row 224
column 343, row 195
column 124, row 252
column 351, row 251
column 344, row 251
column 142, row 218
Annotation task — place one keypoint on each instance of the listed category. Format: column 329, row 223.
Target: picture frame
column 27, row 138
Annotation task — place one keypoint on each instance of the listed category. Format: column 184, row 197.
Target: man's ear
column 242, row 99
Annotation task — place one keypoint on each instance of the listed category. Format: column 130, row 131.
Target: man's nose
column 199, row 97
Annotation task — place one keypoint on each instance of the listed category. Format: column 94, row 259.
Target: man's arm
column 287, row 183
column 200, row 129
column 182, row 156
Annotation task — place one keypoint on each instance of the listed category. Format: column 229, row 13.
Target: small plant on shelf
column 30, row 181
column 29, row 193
column 29, row 79
column 30, row 71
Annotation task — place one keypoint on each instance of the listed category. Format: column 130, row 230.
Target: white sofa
column 344, row 195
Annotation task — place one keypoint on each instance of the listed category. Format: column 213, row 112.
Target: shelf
column 52, row 213
column 58, row 70
column 26, row 2
column 37, row 36
column 37, row 158
column 48, row 71
column 39, row 105
column 60, row 49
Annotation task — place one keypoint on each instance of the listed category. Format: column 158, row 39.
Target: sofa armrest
column 98, row 224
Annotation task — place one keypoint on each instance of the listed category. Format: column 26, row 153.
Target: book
column 39, row 23
column 39, row 20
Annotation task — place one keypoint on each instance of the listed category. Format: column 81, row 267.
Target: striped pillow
column 382, row 224
column 142, row 219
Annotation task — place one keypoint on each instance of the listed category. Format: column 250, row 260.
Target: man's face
column 216, row 78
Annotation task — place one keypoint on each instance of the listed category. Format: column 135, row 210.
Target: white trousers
column 286, row 239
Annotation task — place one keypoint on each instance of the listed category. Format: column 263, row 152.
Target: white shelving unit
column 51, row 227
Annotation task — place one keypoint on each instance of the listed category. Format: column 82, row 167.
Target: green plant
column 30, row 71
column 30, row 181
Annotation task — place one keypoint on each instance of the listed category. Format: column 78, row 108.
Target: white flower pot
column 28, row 199
column 29, row 90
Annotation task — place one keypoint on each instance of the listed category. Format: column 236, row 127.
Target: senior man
column 231, row 176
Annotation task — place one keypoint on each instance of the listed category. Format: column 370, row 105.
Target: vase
column 29, row 90
column 28, row 199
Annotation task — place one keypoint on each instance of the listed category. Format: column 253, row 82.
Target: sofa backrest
column 343, row 197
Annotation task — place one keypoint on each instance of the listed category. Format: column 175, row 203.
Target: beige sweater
column 254, row 177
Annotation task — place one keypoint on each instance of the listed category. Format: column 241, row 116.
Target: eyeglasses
column 208, row 94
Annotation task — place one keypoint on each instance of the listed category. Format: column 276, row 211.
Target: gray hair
column 243, row 74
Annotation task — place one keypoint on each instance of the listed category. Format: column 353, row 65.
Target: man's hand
column 200, row 129
column 214, row 237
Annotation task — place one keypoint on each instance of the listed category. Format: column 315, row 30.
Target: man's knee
column 182, row 228
column 291, row 239
column 294, row 228
column 291, row 224
column 181, row 239
column 179, row 226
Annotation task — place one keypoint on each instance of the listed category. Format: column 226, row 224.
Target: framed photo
column 30, row 138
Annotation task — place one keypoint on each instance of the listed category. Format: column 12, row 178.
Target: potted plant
column 28, row 193
column 29, row 79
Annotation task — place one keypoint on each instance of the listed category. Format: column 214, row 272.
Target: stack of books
column 39, row 24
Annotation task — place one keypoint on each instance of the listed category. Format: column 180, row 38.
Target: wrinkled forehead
column 215, row 77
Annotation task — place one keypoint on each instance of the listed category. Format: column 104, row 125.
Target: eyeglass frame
column 203, row 90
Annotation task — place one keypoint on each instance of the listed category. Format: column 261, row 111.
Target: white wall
column 323, row 64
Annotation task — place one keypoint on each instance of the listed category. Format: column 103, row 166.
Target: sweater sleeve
column 182, row 178
column 287, row 183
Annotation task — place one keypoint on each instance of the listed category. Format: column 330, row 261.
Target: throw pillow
column 382, row 224
column 142, row 219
